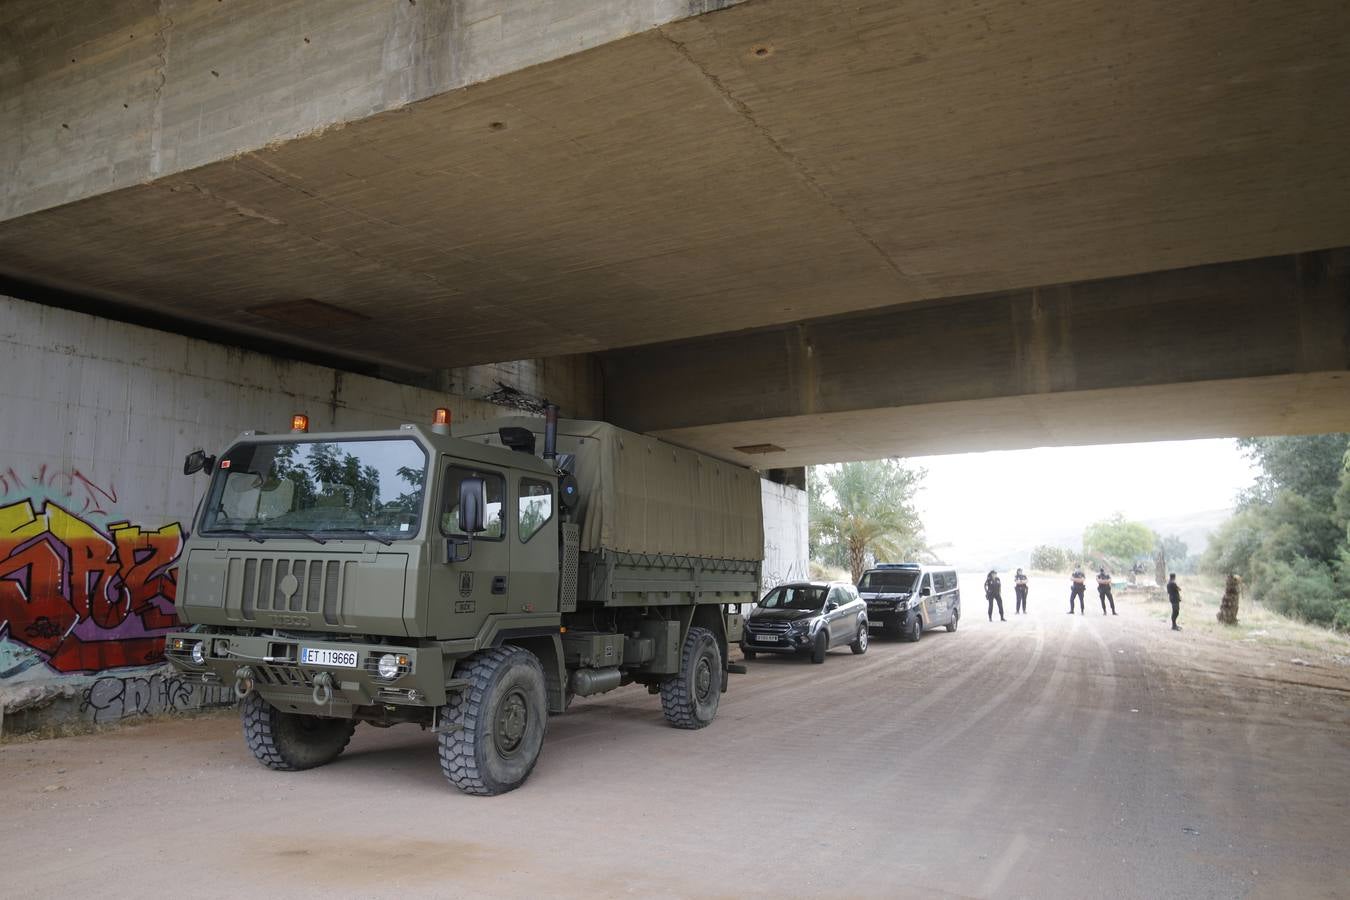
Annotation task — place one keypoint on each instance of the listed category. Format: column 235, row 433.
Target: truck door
column 464, row 594
column 534, row 554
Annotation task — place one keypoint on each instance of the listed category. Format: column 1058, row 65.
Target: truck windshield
column 799, row 597
column 328, row 488
column 883, row 582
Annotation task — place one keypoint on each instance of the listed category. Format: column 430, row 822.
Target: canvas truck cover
column 643, row 495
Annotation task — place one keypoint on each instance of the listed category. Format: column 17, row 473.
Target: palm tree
column 865, row 508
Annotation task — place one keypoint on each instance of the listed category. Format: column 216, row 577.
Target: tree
column 1118, row 541
column 863, row 509
column 1309, row 465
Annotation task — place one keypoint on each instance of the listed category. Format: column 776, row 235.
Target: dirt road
column 1047, row 756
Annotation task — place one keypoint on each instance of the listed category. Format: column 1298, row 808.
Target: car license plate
column 313, row 656
column 767, row 638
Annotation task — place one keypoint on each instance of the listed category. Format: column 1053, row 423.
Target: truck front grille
column 260, row 585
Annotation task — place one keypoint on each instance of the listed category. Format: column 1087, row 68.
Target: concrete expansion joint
column 745, row 112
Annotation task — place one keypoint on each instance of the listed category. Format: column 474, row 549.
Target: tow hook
column 323, row 689
column 243, row 682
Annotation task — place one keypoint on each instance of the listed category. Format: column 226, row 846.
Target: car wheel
column 820, row 647
column 915, row 630
column 747, row 653
column 859, row 646
column 956, row 617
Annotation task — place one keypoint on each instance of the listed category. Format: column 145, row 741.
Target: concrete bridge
column 816, row 231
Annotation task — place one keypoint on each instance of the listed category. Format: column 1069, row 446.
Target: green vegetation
column 864, row 511
column 1288, row 541
column 1119, row 542
column 1046, row 558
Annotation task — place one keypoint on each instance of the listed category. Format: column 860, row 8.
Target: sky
column 984, row 504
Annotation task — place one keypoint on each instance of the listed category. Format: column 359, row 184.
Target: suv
column 906, row 598
column 807, row 616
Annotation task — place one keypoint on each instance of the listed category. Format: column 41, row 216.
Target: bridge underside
column 761, row 168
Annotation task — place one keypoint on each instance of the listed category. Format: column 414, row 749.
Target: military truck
column 462, row 582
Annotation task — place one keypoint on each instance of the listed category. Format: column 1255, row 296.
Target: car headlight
column 388, row 667
column 802, row 625
column 199, row 653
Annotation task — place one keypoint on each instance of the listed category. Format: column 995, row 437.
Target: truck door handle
column 499, row 584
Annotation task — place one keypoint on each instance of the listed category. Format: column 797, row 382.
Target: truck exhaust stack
column 550, row 430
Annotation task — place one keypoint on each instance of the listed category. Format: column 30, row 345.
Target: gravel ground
column 1047, row 756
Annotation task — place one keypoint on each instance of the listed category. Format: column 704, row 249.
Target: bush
column 1048, row 559
column 1303, row 589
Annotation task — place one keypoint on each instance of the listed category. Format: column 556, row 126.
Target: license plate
column 767, row 638
column 313, row 656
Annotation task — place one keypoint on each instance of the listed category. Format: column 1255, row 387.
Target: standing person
column 1104, row 590
column 993, row 592
column 1020, row 588
column 1077, row 588
column 1174, row 595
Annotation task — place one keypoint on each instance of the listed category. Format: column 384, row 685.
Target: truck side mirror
column 472, row 503
column 197, row 461
column 925, row 592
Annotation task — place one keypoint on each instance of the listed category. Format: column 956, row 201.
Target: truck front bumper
column 274, row 667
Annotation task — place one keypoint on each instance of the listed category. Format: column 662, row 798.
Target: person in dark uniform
column 1104, row 590
column 1077, row 588
column 1174, row 595
column 1020, row 588
column 993, row 592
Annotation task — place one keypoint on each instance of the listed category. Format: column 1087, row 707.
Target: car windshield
column 318, row 488
column 798, row 597
column 888, row 582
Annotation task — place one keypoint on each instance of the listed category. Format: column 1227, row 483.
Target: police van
column 905, row 599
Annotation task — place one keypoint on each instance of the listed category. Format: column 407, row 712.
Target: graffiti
column 114, row 698
column 86, row 599
column 72, row 487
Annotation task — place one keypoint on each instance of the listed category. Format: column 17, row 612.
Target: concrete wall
column 95, row 418
column 786, row 551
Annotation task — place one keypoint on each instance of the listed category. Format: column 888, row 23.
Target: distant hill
column 1193, row 528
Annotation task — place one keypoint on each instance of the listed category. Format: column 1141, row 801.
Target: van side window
column 535, row 507
column 495, row 488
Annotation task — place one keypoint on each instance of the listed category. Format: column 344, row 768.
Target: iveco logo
column 297, row 621
column 288, row 585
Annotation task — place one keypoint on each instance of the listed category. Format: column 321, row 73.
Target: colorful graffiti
column 84, row 598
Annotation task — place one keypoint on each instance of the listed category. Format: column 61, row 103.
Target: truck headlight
column 199, row 653
column 388, row 667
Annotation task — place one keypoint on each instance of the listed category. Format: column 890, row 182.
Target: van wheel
column 689, row 699
column 915, row 630
column 290, row 742
column 496, row 725
column 747, row 653
column 820, row 647
column 956, row 617
column 859, row 646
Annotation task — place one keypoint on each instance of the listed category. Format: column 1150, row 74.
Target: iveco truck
column 470, row 583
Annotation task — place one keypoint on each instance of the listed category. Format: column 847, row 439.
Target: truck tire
column 689, row 699
column 290, row 742
column 496, row 725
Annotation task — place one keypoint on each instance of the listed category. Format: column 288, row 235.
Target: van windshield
column 799, row 597
column 279, row 488
column 888, row 582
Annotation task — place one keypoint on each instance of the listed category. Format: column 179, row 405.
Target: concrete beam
column 1220, row 325
column 101, row 96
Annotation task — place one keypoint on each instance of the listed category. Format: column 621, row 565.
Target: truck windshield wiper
column 373, row 535
column 252, row 536
column 313, row 537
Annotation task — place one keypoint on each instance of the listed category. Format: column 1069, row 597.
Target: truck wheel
column 496, row 724
column 820, row 647
column 689, row 699
column 859, row 645
column 289, row 742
